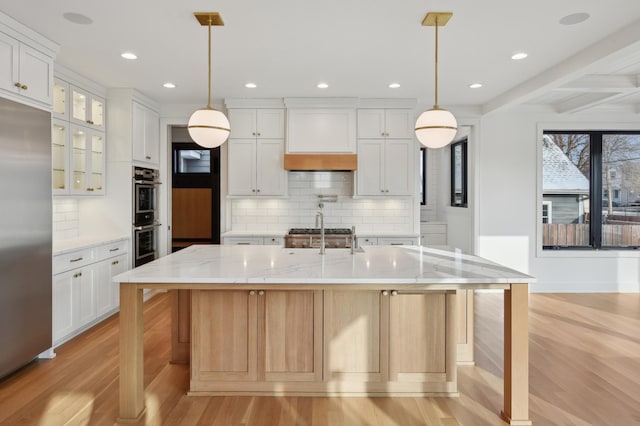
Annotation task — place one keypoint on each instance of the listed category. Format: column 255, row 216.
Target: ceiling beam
column 613, row 48
column 602, row 83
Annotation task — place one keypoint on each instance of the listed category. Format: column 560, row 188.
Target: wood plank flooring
column 584, row 370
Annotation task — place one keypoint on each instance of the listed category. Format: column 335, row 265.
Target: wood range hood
column 342, row 162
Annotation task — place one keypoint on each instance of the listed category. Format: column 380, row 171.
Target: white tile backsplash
column 299, row 210
column 65, row 218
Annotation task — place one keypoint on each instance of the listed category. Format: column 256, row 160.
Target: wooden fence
column 577, row 234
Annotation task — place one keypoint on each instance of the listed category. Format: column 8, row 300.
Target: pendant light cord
column 209, row 94
column 436, row 106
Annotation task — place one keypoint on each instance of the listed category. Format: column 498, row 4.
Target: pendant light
column 209, row 127
column 436, row 127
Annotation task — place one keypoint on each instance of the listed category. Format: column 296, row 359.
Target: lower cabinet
column 82, row 289
column 252, row 338
column 248, row 241
column 330, row 342
column 390, row 341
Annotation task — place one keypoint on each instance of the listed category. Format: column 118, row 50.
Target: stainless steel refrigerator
column 25, row 234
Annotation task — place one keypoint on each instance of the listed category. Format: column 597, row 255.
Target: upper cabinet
column 86, row 108
column 385, row 123
column 256, row 152
column 78, row 135
column 386, row 152
column 257, row 123
column 26, row 64
column 146, row 135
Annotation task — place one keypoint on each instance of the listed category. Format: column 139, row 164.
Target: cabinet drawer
column 369, row 241
column 113, row 249
column 433, row 239
column 430, row 228
column 390, row 241
column 273, row 241
column 242, row 241
column 72, row 260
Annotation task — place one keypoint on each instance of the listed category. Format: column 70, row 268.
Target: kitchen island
column 273, row 321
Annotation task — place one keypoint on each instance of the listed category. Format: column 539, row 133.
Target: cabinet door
column 399, row 123
column 117, row 266
column 60, row 107
column 370, row 167
column 87, row 161
column 86, row 108
column 270, row 173
column 103, row 288
column 371, row 123
column 356, row 336
column 224, row 336
column 36, row 74
column 98, row 162
column 270, row 123
column 60, row 156
column 422, row 337
column 146, row 139
column 84, row 299
column 62, row 307
column 243, row 123
column 9, row 63
column 292, row 335
column 398, row 169
column 242, row 166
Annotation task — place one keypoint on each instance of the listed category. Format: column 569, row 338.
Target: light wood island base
column 267, row 321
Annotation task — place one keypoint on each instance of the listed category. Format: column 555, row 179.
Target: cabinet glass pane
column 59, row 155
column 97, row 161
column 79, row 106
column 97, row 112
column 59, row 99
column 79, row 159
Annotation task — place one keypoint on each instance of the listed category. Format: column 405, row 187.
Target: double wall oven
column 145, row 223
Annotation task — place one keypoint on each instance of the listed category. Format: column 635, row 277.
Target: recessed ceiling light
column 475, row 85
column 518, row 56
column 574, row 18
column 129, row 55
column 394, row 85
column 322, row 85
column 169, row 85
column 77, row 18
column 250, row 85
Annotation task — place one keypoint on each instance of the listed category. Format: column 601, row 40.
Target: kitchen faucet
column 320, row 218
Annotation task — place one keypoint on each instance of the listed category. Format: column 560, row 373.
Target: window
column 459, row 174
column 423, row 176
column 593, row 180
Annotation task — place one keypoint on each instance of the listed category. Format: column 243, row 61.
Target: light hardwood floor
column 584, row 369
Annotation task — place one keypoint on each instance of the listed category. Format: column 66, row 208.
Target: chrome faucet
column 353, row 239
column 320, row 224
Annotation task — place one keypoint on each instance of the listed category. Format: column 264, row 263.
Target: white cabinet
column 254, row 240
column 25, row 71
column 433, row 234
column 388, row 241
column 82, row 289
column 385, row 167
column 85, row 108
column 87, row 161
column 256, row 167
column 146, row 135
column 385, row 123
column 321, row 130
column 267, row 123
column 256, row 152
column 78, row 137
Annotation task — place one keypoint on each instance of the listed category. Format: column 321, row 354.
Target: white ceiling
column 357, row 46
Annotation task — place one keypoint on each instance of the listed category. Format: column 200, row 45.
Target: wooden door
column 422, row 337
column 224, row 336
column 292, row 330
column 356, row 336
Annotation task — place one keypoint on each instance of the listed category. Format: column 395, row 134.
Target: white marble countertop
column 71, row 244
column 220, row 264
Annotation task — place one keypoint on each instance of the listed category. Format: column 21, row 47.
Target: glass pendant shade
column 208, row 127
column 436, row 127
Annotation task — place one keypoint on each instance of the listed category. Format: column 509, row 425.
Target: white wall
column 509, row 198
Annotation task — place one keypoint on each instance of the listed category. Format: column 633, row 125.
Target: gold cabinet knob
column 394, row 293
column 252, row 293
column 385, row 293
column 261, row 293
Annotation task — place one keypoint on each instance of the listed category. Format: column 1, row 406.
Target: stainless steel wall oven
column 145, row 223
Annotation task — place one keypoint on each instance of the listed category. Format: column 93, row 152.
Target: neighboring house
column 565, row 190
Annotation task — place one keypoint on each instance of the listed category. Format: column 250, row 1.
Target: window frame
column 596, row 190
column 463, row 143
